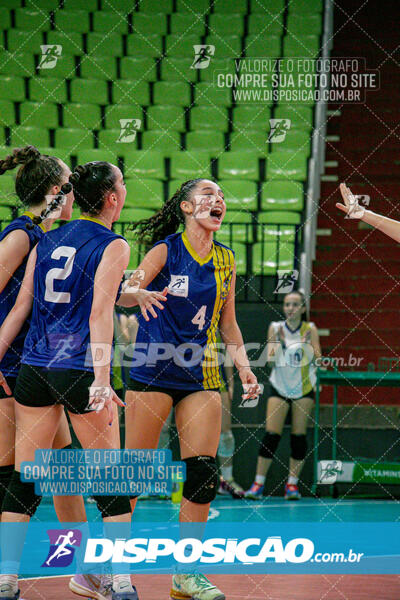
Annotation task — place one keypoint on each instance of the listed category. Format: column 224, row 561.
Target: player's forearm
column 233, row 340
column 127, row 300
column 11, row 327
column 101, row 337
column 388, row 226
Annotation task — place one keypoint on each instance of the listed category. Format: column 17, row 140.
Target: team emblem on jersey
column 179, row 286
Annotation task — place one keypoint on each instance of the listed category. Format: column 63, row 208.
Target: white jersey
column 293, row 374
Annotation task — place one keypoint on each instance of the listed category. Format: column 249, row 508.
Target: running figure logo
column 203, row 54
column 279, row 129
column 129, row 129
column 179, row 285
column 286, row 281
column 50, row 55
column 63, row 343
column 63, row 543
column 328, row 471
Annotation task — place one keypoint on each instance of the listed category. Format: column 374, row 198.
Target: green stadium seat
column 188, row 24
column 135, row 92
column 240, row 251
column 304, row 45
column 213, row 142
column 31, row 20
column 185, row 165
column 144, row 165
column 11, row 3
column 229, row 46
column 5, row 18
column 268, row 7
column 247, row 117
column 73, row 139
column 19, row 41
column 72, row 20
column 5, row 211
column 71, row 42
column 229, row 6
column 143, row 69
column 21, row 64
column 262, row 45
column 149, row 6
column 238, row 228
column 133, row 215
column 255, row 141
column 98, row 67
column 83, row 89
column 282, row 195
column 107, row 20
column 238, row 165
column 61, row 153
column 265, row 24
column 272, row 232
column 79, row 116
column 121, row 6
column 24, row 136
column 7, row 185
column 216, row 66
column 207, row 93
column 239, row 194
column 209, row 117
column 161, row 141
column 90, row 5
column 140, row 45
column 37, row 114
column 181, row 46
column 2, row 136
column 145, row 193
column 287, row 165
column 12, row 88
column 280, row 217
column 42, row 5
column 301, row 117
column 85, row 156
column 63, row 69
column 299, row 140
column 171, row 92
column 195, row 6
column 115, row 112
column 105, row 45
column 146, row 24
column 47, row 90
column 306, row 6
column 7, row 113
column 224, row 24
column 109, row 139
column 300, row 24
column 166, row 117
column 266, row 260
column 178, row 69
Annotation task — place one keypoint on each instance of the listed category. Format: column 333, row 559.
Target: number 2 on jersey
column 200, row 317
column 60, row 273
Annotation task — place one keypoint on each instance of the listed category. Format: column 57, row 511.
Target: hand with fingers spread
column 4, row 384
column 351, row 207
column 250, row 384
column 102, row 396
column 147, row 299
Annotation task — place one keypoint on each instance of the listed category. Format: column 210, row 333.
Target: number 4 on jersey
column 200, row 317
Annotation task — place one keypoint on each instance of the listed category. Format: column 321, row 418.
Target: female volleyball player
column 71, row 283
column 292, row 346
column 38, row 176
column 175, row 362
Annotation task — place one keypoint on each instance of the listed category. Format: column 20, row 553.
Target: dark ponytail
column 37, row 174
column 54, row 204
column 167, row 220
column 91, row 182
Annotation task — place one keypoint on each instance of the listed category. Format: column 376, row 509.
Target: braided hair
column 91, row 182
column 167, row 220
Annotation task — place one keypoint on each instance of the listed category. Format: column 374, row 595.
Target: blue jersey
column 67, row 260
column 10, row 364
column 178, row 349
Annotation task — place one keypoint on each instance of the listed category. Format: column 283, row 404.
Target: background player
column 200, row 275
column 292, row 346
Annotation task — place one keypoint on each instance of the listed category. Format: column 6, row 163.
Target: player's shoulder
column 170, row 240
column 228, row 253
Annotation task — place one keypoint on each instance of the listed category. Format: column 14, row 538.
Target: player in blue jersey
column 38, row 176
column 175, row 362
column 73, row 276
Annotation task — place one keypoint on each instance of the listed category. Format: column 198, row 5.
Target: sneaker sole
column 86, row 592
column 175, row 595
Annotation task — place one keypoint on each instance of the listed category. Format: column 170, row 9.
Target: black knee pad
column 112, row 506
column 201, row 479
column 298, row 445
column 269, row 444
column 5, row 478
column 69, row 447
column 20, row 496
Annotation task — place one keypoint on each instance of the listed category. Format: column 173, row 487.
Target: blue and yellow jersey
column 67, row 260
column 10, row 364
column 177, row 350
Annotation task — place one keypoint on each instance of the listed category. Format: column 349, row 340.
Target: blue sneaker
column 255, row 492
column 131, row 595
column 292, row 492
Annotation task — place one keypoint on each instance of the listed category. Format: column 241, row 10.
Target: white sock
column 293, row 480
column 122, row 583
column 11, row 580
column 227, row 473
column 260, row 479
